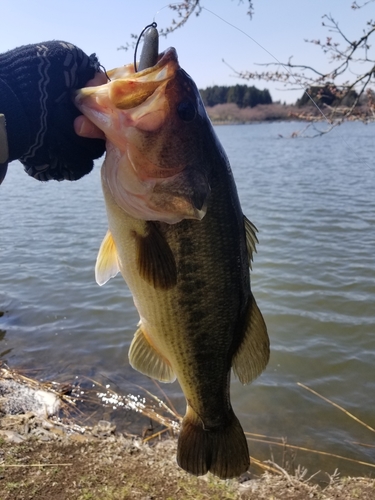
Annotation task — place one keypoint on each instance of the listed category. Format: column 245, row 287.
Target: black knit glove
column 36, row 84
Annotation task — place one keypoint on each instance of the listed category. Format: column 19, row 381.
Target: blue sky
column 102, row 26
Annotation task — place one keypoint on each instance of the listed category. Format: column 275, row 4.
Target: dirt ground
column 46, row 458
column 44, row 461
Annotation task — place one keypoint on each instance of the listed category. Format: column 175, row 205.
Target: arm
column 36, row 83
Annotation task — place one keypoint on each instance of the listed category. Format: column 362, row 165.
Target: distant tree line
column 242, row 95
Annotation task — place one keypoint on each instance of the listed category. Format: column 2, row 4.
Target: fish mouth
column 152, row 168
column 127, row 88
column 168, row 57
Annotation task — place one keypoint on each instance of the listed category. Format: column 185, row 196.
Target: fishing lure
column 150, row 50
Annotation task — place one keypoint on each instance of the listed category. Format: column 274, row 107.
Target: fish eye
column 186, row 111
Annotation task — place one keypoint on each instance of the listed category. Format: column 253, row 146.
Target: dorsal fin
column 106, row 263
column 251, row 238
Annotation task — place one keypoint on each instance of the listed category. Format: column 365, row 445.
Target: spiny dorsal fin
column 106, row 263
column 253, row 354
column 147, row 360
column 251, row 238
column 155, row 259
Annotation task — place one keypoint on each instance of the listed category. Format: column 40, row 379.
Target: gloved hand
column 36, row 84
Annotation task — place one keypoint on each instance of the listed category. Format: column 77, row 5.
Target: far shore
column 231, row 114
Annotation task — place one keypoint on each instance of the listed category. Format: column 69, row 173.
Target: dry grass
column 275, row 480
column 231, row 113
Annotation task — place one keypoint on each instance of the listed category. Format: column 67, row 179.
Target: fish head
column 157, row 164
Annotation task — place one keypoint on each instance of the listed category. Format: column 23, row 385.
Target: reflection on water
column 314, row 280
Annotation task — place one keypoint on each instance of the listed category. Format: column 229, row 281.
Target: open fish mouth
column 156, row 167
column 129, row 88
column 126, row 88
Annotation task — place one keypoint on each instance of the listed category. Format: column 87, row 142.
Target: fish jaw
column 155, row 165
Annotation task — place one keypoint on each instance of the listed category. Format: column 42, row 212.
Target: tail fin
column 222, row 451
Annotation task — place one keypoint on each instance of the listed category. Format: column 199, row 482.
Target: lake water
column 313, row 201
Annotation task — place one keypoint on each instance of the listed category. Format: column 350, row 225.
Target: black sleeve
column 36, row 85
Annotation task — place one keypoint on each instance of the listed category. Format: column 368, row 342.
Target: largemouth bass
column 188, row 271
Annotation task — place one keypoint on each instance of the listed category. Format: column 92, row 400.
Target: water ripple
column 314, row 279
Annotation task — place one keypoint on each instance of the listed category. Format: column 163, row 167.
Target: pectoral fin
column 146, row 359
column 251, row 238
column 106, row 263
column 253, row 353
column 155, row 259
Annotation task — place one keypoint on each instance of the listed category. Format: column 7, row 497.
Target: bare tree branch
column 353, row 59
column 183, row 11
column 355, row 5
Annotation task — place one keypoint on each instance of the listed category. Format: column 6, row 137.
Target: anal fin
column 252, row 355
column 146, row 359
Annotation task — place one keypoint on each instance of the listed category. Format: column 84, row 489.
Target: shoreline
column 231, row 114
column 42, row 453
